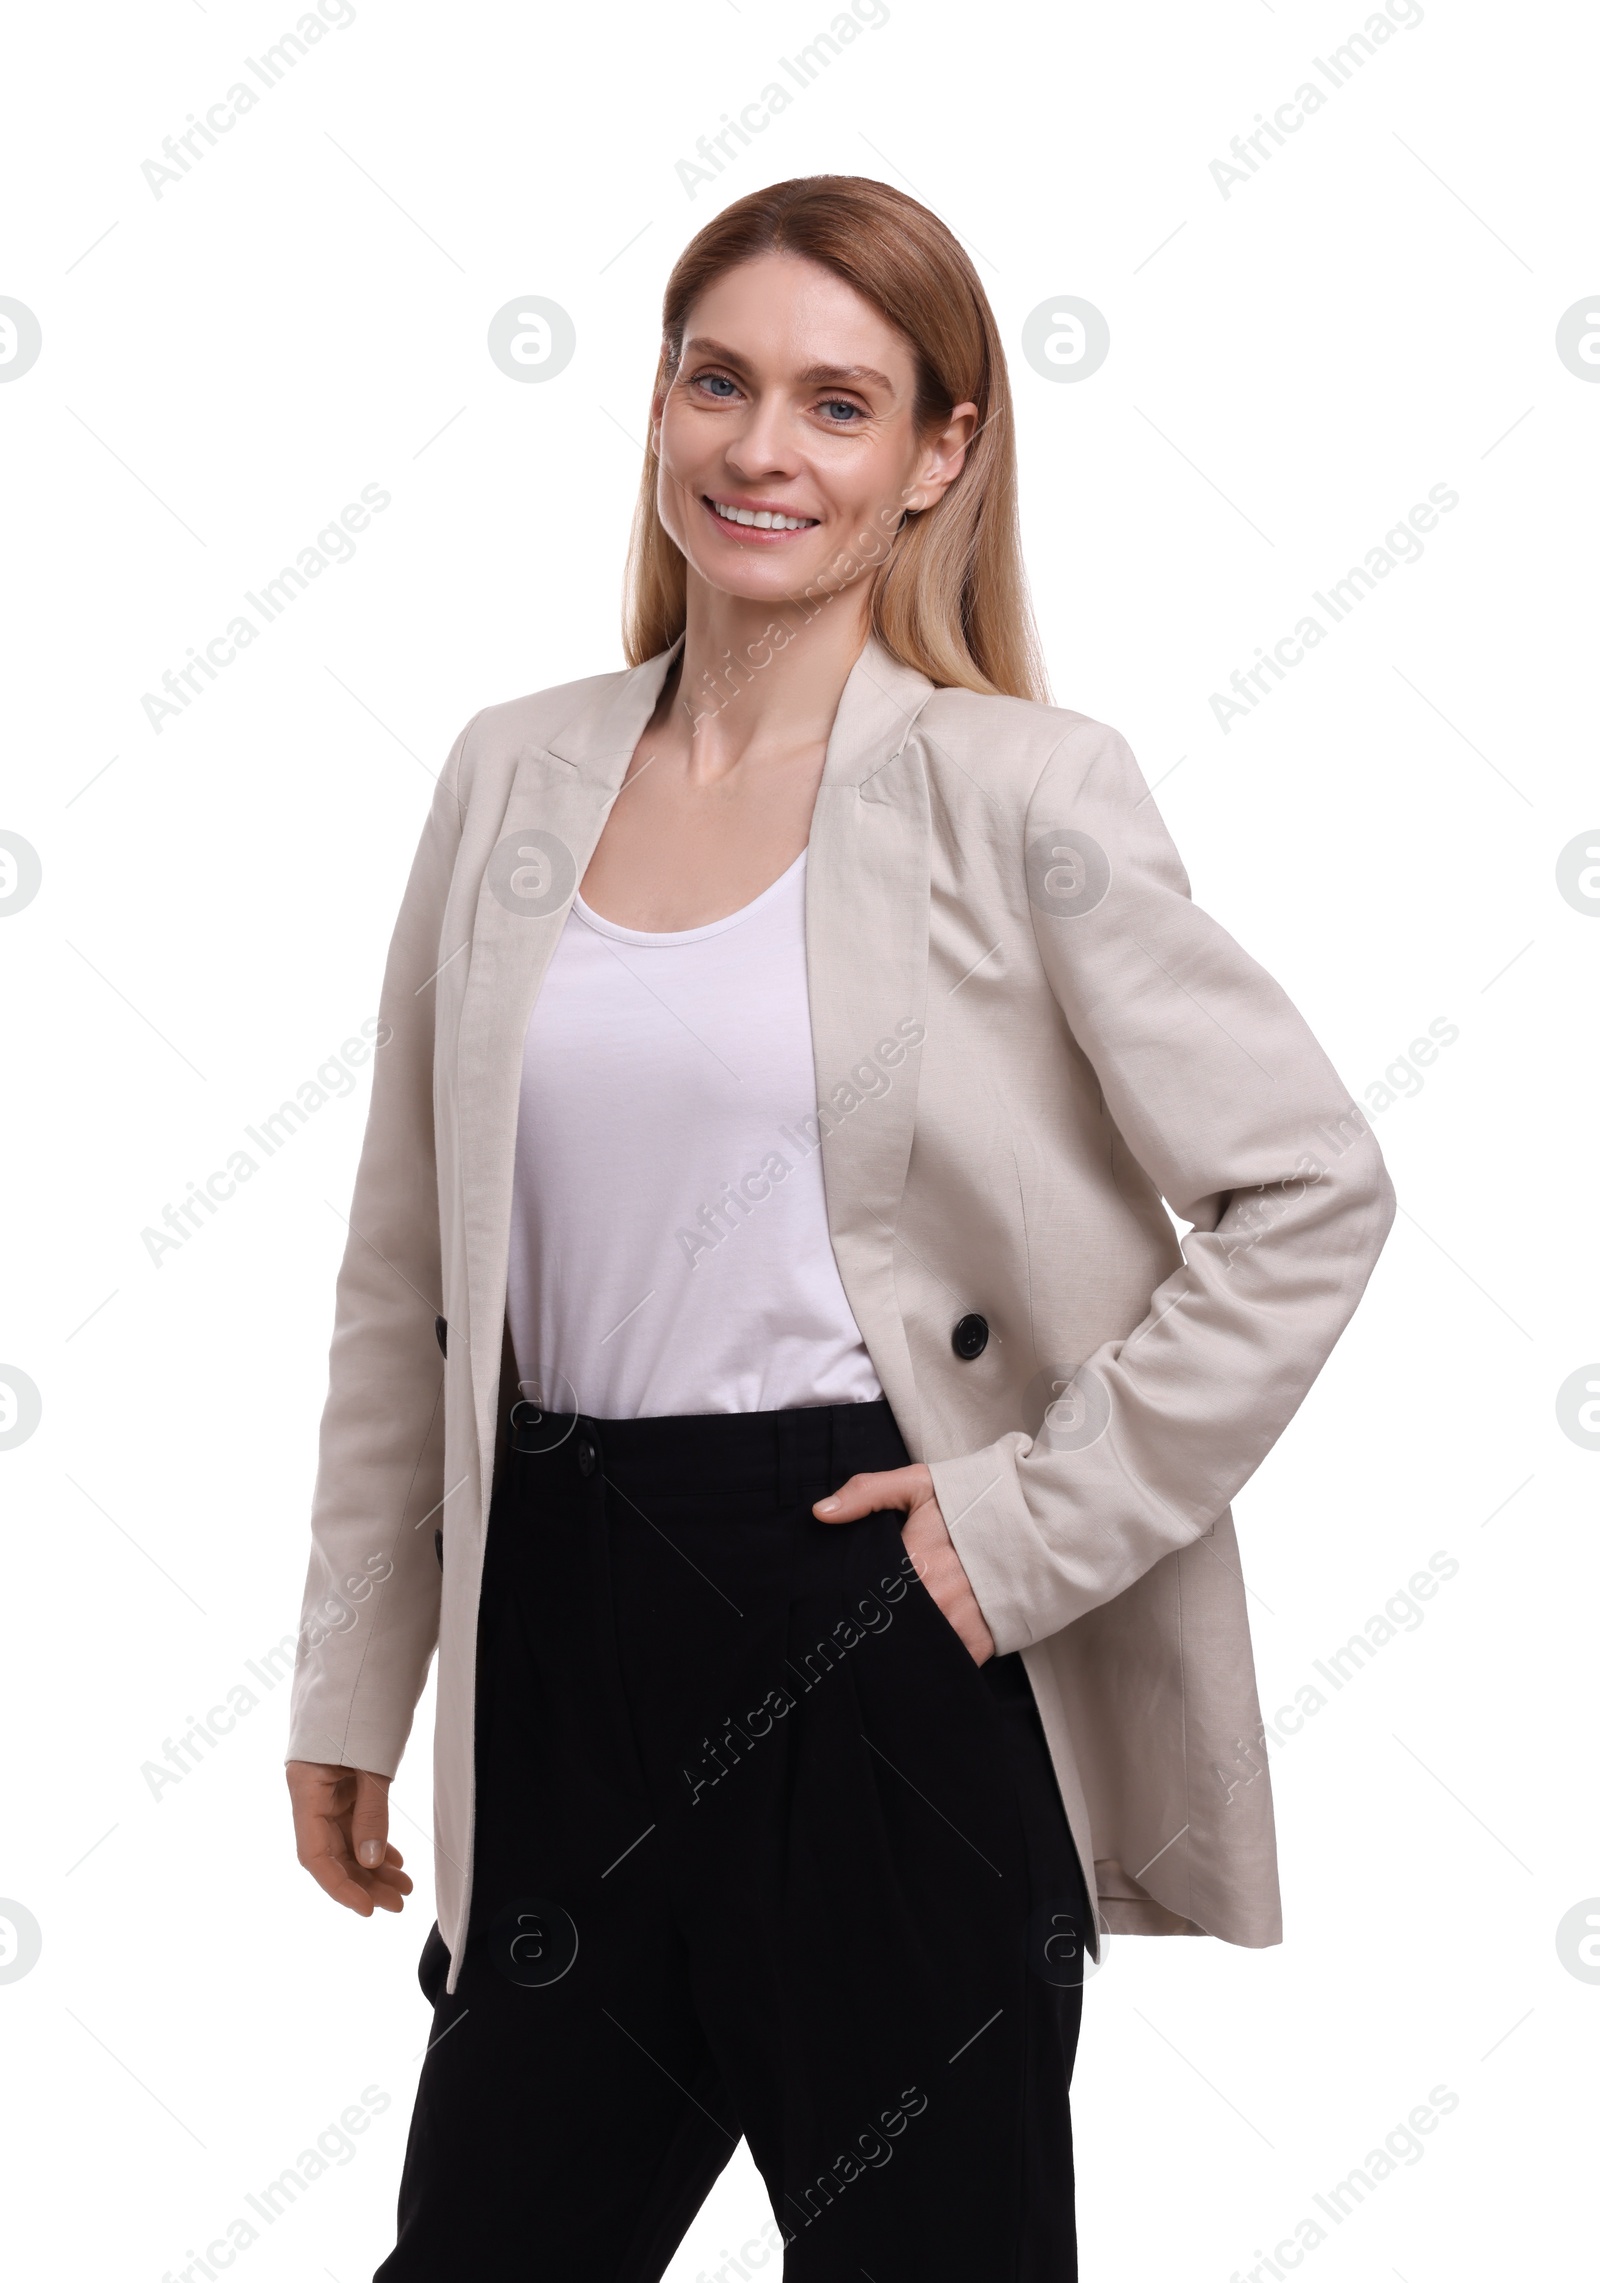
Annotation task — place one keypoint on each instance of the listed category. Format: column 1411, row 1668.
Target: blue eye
column 840, row 404
column 716, row 380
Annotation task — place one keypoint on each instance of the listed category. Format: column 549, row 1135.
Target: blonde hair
column 951, row 597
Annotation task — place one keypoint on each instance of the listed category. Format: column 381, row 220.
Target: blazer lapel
column 867, row 892
column 560, row 796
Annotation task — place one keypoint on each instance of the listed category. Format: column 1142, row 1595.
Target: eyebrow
column 812, row 376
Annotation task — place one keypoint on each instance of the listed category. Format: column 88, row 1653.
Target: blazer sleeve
column 370, row 1617
column 1228, row 1103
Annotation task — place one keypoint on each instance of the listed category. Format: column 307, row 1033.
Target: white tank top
column 669, row 1237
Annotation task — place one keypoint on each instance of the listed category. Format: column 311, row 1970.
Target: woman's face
column 793, row 400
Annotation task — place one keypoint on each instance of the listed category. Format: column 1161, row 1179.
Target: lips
column 757, row 521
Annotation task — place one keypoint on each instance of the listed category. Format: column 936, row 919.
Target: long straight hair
column 951, row 596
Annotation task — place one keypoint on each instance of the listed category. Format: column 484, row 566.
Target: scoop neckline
column 664, row 940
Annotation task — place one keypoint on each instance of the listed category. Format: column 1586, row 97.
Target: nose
column 761, row 447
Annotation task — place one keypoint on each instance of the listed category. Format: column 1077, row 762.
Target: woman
column 763, row 1360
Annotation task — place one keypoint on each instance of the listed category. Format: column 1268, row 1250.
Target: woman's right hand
column 341, row 1829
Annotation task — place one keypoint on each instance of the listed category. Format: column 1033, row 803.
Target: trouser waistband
column 749, row 1452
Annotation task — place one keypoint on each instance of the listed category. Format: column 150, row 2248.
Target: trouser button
column 587, row 1456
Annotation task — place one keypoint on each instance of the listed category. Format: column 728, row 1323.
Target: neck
column 765, row 676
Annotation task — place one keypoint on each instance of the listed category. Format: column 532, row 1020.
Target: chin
column 762, row 582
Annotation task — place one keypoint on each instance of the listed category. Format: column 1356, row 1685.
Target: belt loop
column 788, row 1426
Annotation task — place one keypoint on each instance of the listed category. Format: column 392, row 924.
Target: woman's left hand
column 926, row 1540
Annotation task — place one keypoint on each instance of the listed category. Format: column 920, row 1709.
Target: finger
column 382, row 1889
column 871, row 1494
column 336, row 1877
column 327, row 1857
column 369, row 1819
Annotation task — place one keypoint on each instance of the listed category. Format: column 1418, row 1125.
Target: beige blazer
column 1026, row 1037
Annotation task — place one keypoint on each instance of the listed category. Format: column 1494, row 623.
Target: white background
column 1292, row 367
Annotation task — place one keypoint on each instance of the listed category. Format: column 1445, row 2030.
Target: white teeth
column 763, row 519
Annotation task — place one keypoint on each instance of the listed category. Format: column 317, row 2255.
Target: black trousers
column 760, row 1852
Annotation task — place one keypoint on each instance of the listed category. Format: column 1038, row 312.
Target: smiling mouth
column 768, row 519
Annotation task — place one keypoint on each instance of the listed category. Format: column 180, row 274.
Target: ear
column 944, row 455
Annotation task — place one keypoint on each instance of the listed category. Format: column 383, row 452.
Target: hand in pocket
column 927, row 1541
